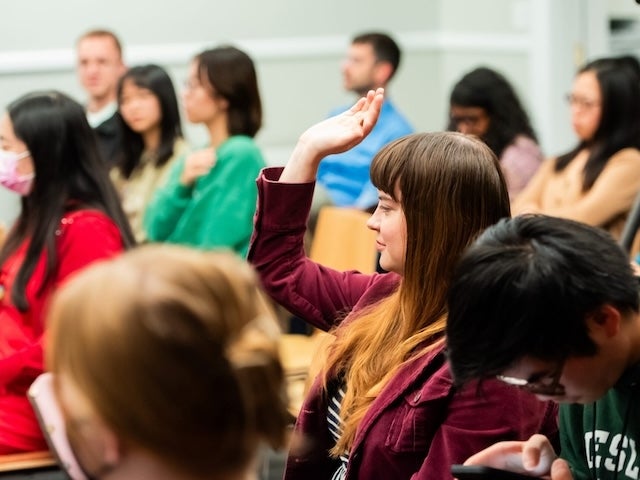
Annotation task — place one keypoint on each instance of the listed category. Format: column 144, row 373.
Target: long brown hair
column 451, row 188
column 166, row 324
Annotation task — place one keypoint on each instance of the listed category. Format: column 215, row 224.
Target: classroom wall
column 298, row 46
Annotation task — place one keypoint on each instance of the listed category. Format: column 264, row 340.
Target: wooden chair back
column 342, row 240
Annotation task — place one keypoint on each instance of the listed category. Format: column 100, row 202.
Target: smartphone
column 480, row 472
column 49, row 415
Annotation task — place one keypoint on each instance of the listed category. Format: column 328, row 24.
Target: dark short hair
column 384, row 48
column 487, row 89
column 232, row 74
column 526, row 288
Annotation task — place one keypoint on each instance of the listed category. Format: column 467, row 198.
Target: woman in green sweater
column 210, row 198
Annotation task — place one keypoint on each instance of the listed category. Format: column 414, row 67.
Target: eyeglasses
column 548, row 385
column 581, row 102
column 469, row 120
column 191, row 84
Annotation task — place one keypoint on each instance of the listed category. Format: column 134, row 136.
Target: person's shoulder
column 86, row 217
column 84, row 224
column 109, row 126
column 525, row 141
column 180, row 147
column 523, row 145
column 575, row 410
column 116, row 176
column 242, row 147
column 85, row 214
column 629, row 154
column 393, row 117
column 239, row 143
column 385, row 281
column 107, row 120
column 422, row 388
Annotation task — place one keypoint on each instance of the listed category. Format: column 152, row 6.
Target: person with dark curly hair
column 483, row 103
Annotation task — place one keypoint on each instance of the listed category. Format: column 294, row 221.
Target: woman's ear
column 223, row 103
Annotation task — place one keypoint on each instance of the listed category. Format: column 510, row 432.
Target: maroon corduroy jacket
column 419, row 424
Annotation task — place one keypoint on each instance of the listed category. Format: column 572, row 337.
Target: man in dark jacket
column 99, row 67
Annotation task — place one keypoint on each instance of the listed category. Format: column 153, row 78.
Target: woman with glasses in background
column 597, row 181
column 483, row 103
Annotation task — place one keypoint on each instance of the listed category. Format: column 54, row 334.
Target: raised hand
column 333, row 135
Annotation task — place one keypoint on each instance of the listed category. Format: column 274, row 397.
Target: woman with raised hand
column 384, row 405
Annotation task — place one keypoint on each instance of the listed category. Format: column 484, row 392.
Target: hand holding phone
column 480, row 472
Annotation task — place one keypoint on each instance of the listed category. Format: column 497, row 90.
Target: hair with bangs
column 451, row 189
column 178, row 324
column 155, row 79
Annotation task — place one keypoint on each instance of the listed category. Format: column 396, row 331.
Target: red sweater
column 419, row 424
column 83, row 237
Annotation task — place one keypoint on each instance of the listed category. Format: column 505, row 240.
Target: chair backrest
column 342, row 240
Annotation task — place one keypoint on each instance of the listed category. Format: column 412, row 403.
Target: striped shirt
column 334, row 423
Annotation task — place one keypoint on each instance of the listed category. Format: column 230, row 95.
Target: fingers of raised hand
column 358, row 106
column 364, row 103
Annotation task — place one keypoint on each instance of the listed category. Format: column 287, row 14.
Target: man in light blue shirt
column 372, row 61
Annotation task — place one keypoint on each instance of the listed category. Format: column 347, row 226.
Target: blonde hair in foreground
column 451, row 188
column 177, row 352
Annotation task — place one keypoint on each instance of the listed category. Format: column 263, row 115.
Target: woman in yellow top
column 151, row 141
column 597, row 181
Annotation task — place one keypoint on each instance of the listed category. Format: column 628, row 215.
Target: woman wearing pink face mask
column 10, row 175
column 70, row 217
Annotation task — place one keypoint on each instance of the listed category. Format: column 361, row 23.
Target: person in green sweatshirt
column 210, row 198
column 550, row 305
